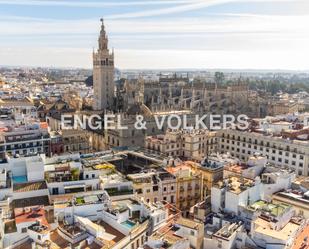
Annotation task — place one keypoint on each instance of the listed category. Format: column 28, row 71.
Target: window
column 55, row 191
column 24, row 230
column 192, row 232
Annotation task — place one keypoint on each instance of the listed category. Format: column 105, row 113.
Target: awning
column 74, row 186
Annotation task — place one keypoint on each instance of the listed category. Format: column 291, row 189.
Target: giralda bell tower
column 103, row 74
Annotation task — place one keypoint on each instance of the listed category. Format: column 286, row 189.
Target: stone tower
column 103, row 74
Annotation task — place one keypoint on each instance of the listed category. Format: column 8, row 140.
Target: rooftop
column 235, row 184
column 29, row 186
column 188, row 223
column 58, row 242
column 167, row 234
column 31, row 214
column 264, row 227
column 109, row 229
column 294, row 196
column 272, row 209
column 30, row 201
column 227, row 230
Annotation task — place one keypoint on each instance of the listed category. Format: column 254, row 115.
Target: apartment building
column 68, row 141
column 298, row 200
column 225, row 237
column 25, row 141
column 238, row 191
column 279, row 150
column 154, row 186
column 189, row 186
column 284, row 107
column 181, row 234
column 193, row 144
column 279, row 228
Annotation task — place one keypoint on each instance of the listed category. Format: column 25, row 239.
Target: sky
column 157, row 34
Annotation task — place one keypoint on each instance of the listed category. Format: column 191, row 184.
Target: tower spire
column 102, row 28
column 103, row 40
column 103, row 73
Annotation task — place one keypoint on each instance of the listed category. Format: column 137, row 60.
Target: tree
column 219, row 77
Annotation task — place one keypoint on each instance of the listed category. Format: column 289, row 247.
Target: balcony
column 63, row 176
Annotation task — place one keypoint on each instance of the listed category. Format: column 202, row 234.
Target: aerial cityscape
column 188, row 129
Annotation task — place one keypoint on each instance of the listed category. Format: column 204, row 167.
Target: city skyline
column 227, row 34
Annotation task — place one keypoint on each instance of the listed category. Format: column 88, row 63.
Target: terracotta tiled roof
column 29, row 186
column 30, row 214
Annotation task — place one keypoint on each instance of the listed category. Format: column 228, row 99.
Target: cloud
column 196, row 5
column 203, row 25
column 170, row 10
column 91, row 4
column 225, row 40
column 179, row 5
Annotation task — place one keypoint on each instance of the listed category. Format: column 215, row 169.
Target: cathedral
column 168, row 95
